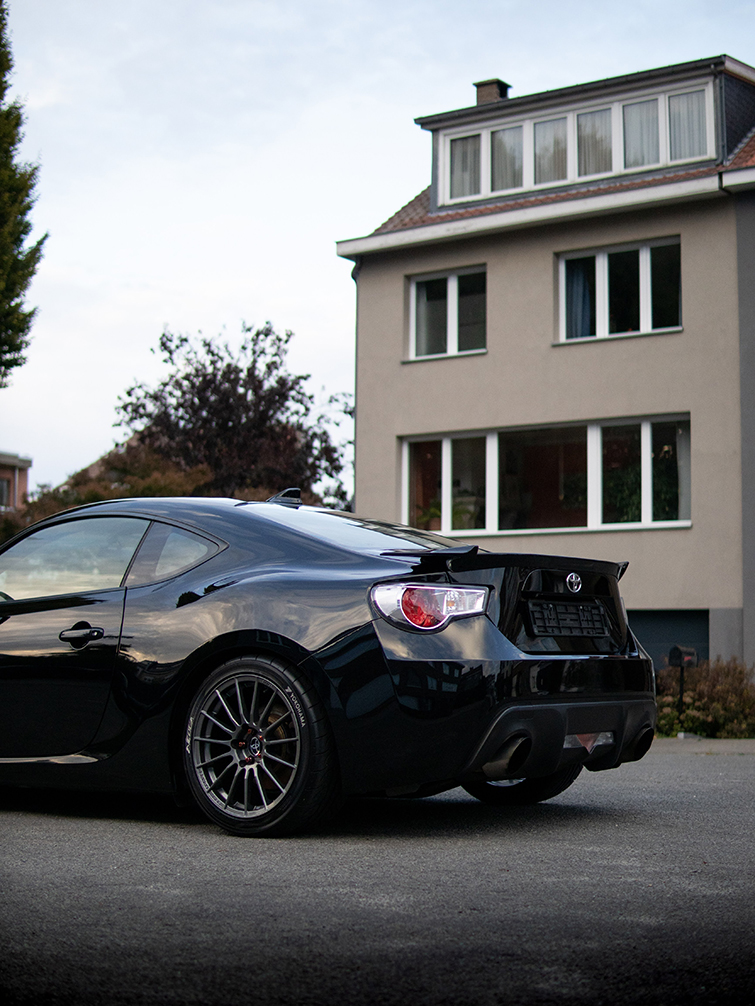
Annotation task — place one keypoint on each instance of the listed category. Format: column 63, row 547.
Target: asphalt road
column 634, row 886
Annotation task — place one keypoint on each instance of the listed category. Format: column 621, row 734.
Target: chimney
column 491, row 90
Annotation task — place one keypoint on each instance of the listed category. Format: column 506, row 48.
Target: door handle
column 80, row 634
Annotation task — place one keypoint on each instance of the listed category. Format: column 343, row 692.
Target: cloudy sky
column 199, row 158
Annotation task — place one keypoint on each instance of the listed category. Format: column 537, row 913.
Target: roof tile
column 416, row 213
column 744, row 155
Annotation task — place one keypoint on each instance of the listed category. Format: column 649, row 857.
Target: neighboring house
column 14, row 484
column 556, row 340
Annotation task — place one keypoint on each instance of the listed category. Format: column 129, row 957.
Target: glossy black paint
column 406, row 708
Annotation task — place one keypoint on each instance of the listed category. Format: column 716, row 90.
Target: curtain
column 686, row 116
column 641, row 134
column 465, row 166
column 594, row 142
column 506, row 153
column 684, row 465
column 550, row 150
column 580, row 297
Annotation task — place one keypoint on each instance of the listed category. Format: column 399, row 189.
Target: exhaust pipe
column 509, row 759
column 639, row 746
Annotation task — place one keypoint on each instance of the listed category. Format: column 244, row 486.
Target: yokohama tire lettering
column 297, row 705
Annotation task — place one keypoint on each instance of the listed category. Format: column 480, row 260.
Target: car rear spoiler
column 467, row 557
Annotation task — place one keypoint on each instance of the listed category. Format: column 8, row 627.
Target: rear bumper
column 546, row 726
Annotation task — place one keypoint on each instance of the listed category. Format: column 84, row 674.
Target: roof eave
column 738, row 180
column 532, row 216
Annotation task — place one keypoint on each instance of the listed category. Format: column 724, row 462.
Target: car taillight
column 427, row 606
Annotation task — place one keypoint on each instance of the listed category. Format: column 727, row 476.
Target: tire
column 257, row 751
column 519, row 792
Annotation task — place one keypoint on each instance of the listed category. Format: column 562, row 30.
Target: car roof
column 222, row 516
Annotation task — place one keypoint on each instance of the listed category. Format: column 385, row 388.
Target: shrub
column 719, row 700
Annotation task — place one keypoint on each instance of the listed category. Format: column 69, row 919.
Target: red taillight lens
column 422, row 607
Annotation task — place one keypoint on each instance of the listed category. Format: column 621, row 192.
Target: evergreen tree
column 17, row 262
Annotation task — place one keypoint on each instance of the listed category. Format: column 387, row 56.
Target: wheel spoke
column 225, row 754
column 246, row 791
column 238, row 700
column 271, row 776
column 268, row 707
column 217, row 740
column 259, row 787
column 281, row 740
column 280, row 761
column 270, row 726
column 253, row 706
column 220, row 775
column 224, row 704
column 238, row 772
column 216, row 722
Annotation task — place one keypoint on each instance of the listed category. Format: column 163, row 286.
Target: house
column 556, row 340
column 14, row 485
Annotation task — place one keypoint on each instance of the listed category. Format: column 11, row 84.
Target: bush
column 719, row 700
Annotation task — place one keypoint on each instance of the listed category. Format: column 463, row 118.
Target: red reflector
column 422, row 607
column 588, row 741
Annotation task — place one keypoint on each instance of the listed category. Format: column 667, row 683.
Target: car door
column 61, row 611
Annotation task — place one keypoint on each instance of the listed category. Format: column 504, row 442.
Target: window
column 5, row 493
column 167, row 551
column 79, row 555
column 634, row 473
column 506, row 158
column 621, row 292
column 626, row 135
column 425, row 485
column 621, row 470
column 594, row 142
column 465, row 166
column 641, row 134
column 550, row 151
column 468, row 483
column 542, row 478
column 448, row 314
column 686, row 119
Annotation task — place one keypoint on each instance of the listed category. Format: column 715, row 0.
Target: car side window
column 91, row 553
column 167, row 551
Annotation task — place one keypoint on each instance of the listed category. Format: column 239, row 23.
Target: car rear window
column 350, row 531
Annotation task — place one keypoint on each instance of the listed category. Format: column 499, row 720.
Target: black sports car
column 271, row 658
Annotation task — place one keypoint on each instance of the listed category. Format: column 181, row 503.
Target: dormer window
column 550, row 151
column 506, row 158
column 640, row 132
column 594, row 142
column 465, row 166
column 686, row 113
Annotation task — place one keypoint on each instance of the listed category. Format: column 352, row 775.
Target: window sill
column 621, row 335
column 445, row 356
column 658, row 525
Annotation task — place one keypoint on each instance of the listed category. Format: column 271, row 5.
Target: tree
column 130, row 469
column 242, row 415
column 17, row 262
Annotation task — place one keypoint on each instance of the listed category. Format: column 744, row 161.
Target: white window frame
column 594, row 480
column 571, row 113
column 452, row 312
column 601, row 291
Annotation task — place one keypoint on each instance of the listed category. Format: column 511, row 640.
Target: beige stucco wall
column 524, row 379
